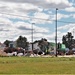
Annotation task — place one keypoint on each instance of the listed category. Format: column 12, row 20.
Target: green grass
column 37, row 65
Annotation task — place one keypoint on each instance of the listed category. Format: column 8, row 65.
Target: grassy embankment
column 40, row 65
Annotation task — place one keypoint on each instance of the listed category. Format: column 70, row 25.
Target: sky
column 18, row 16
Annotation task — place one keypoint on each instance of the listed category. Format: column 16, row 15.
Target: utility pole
column 56, row 33
column 73, row 32
column 32, row 35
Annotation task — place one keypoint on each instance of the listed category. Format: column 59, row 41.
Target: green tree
column 44, row 45
column 68, row 40
column 7, row 43
column 22, row 42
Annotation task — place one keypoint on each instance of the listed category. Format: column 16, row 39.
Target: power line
column 65, row 22
column 37, row 18
column 27, row 17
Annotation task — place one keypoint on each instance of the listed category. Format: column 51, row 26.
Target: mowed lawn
column 37, row 65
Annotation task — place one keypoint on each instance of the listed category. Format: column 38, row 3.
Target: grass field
column 37, row 65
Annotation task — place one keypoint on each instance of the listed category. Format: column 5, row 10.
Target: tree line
column 22, row 42
column 67, row 39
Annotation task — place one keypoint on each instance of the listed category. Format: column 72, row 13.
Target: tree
column 22, row 42
column 7, row 43
column 44, row 45
column 68, row 40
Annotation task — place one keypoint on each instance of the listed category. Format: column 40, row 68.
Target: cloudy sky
column 17, row 17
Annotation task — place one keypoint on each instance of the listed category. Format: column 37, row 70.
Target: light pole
column 56, row 32
column 73, row 32
column 32, row 35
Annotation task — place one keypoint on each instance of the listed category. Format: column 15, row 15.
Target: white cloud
column 70, row 9
column 18, row 10
column 64, row 27
column 44, row 3
column 41, row 15
column 5, row 21
column 57, row 4
column 51, row 37
column 21, row 9
column 22, row 28
column 41, row 18
column 68, row 28
column 60, row 16
column 73, row 15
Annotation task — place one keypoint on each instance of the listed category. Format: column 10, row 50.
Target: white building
column 35, row 46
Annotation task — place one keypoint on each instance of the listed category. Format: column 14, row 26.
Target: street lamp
column 56, row 32
column 32, row 35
